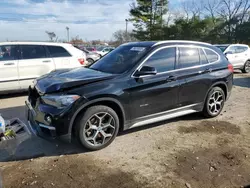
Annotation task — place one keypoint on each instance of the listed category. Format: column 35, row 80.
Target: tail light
column 230, row 67
column 81, row 61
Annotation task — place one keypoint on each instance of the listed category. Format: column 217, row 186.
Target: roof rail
column 185, row 41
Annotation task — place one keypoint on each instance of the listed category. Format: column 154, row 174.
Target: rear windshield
column 120, row 60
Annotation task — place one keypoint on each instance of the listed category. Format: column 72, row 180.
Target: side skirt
column 165, row 115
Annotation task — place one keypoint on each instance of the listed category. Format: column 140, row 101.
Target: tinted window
column 240, row 49
column 203, row 58
column 7, row 53
column 189, row 57
column 33, row 52
column 58, row 51
column 120, row 60
column 211, row 55
column 163, row 60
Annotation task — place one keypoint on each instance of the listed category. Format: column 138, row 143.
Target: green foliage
column 147, row 17
column 225, row 27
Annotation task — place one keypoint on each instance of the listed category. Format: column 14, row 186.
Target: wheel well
column 110, row 104
column 223, row 87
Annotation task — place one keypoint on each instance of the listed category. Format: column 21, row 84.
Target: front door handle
column 171, row 78
column 9, row 64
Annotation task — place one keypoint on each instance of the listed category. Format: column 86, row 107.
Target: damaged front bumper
column 48, row 132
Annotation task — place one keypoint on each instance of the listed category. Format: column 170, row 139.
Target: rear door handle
column 7, row 64
column 46, row 61
column 205, row 71
column 171, row 78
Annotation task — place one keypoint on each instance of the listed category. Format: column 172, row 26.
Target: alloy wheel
column 99, row 129
column 215, row 102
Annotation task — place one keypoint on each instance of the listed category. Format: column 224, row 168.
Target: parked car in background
column 22, row 62
column 91, row 49
column 136, row 84
column 103, row 50
column 91, row 57
column 238, row 55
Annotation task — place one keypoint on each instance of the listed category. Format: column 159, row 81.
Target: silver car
column 90, row 56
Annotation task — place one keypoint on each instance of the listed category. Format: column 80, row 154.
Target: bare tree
column 51, row 35
column 233, row 12
column 211, row 6
column 121, row 36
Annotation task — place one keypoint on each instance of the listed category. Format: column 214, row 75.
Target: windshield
column 120, row 59
column 222, row 48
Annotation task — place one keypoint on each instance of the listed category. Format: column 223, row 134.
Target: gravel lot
column 185, row 152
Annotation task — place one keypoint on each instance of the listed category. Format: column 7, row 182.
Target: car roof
column 230, row 45
column 156, row 43
column 36, row 43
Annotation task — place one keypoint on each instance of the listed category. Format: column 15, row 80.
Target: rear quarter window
column 58, row 51
column 211, row 55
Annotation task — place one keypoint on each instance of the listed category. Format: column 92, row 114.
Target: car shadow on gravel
column 31, row 146
column 242, row 82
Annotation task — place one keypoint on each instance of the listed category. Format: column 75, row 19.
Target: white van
column 22, row 62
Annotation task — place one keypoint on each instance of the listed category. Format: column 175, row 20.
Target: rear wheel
column 214, row 102
column 246, row 68
column 98, row 127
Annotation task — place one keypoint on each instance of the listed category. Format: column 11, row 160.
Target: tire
column 91, row 129
column 90, row 61
column 214, row 102
column 246, row 68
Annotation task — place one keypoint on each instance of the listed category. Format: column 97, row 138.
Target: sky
column 88, row 19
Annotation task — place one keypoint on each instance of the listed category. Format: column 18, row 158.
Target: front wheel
column 246, row 68
column 98, row 127
column 214, row 102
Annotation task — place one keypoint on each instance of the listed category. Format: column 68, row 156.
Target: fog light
column 48, row 118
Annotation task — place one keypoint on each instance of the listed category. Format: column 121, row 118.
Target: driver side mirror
column 145, row 70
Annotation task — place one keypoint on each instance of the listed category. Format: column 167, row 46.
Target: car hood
column 67, row 78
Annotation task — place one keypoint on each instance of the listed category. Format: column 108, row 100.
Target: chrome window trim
column 177, row 53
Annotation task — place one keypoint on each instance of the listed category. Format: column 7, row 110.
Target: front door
column 34, row 63
column 158, row 93
column 8, row 68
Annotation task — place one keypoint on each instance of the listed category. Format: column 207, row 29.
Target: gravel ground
column 185, row 152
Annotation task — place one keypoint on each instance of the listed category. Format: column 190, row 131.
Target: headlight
column 60, row 101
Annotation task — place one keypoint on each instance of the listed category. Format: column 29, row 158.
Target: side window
column 232, row 49
column 163, row 60
column 203, row 58
column 7, row 53
column 188, row 57
column 58, row 51
column 211, row 55
column 241, row 49
column 33, row 52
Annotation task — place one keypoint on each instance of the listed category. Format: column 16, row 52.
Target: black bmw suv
column 136, row 84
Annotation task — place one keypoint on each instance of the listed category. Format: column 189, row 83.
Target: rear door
column 8, row 67
column 242, row 52
column 34, row 63
column 61, row 57
column 193, row 68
